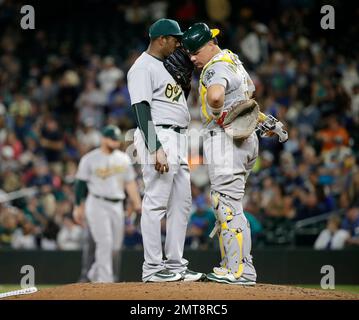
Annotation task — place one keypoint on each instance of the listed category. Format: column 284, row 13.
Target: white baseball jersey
column 148, row 80
column 106, row 174
column 224, row 69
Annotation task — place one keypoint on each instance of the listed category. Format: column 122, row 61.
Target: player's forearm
column 215, row 99
column 145, row 124
column 215, row 96
column 132, row 191
column 81, row 191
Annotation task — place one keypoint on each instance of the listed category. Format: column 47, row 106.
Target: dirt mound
column 182, row 291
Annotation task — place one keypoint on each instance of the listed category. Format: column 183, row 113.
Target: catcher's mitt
column 180, row 67
column 241, row 119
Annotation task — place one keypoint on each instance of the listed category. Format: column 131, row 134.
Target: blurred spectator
column 119, row 103
column 8, row 225
column 49, row 236
column 133, row 237
column 254, row 45
column 20, row 107
column 256, row 226
column 201, row 223
column 186, row 11
column 157, row 10
column 333, row 135
column 218, row 10
column 2, row 122
column 88, row 136
column 351, row 225
column 67, row 95
column 332, row 237
column 90, row 103
column 51, row 140
column 70, row 235
column 109, row 75
column 24, row 237
column 46, row 92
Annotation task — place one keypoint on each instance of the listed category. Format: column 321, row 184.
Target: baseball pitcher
column 162, row 116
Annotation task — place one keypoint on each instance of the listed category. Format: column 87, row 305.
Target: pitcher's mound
column 182, row 291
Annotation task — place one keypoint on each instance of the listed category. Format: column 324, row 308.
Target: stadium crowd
column 55, row 97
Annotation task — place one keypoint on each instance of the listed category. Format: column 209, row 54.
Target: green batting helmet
column 197, row 36
column 112, row 132
column 165, row 27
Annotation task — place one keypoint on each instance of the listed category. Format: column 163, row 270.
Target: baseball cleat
column 230, row 279
column 164, row 276
column 189, row 275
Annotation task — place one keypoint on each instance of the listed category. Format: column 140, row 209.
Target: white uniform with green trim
column 169, row 194
column 229, row 164
column 105, row 175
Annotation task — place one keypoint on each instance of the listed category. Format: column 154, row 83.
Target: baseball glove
column 180, row 67
column 241, row 119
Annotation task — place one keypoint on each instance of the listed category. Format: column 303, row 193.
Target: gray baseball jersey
column 225, row 69
column 229, row 163
column 106, row 174
column 148, row 80
column 167, row 195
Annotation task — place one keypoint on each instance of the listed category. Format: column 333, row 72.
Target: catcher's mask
column 197, row 36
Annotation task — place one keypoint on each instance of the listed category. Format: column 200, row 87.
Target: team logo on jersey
column 173, row 92
column 104, row 173
column 209, row 75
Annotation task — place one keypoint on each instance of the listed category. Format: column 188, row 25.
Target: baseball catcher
column 230, row 118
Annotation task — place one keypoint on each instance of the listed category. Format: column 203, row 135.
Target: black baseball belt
column 175, row 128
column 106, row 199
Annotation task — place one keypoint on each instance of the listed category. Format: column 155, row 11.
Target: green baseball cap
column 165, row 27
column 112, row 132
column 197, row 36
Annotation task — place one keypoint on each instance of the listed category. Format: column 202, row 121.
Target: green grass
column 12, row 287
column 346, row 288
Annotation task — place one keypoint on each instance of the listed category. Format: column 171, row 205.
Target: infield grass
column 346, row 288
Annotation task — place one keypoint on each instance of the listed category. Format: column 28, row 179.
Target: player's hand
column 161, row 161
column 79, row 215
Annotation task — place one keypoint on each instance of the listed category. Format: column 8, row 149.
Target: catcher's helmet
column 112, row 132
column 197, row 36
column 165, row 27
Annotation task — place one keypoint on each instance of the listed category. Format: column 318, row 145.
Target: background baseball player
column 223, row 83
column 160, row 139
column 102, row 178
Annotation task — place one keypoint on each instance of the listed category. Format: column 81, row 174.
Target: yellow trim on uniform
column 203, row 91
column 239, row 272
column 224, row 225
column 215, row 32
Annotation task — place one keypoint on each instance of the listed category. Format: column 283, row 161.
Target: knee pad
column 229, row 233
